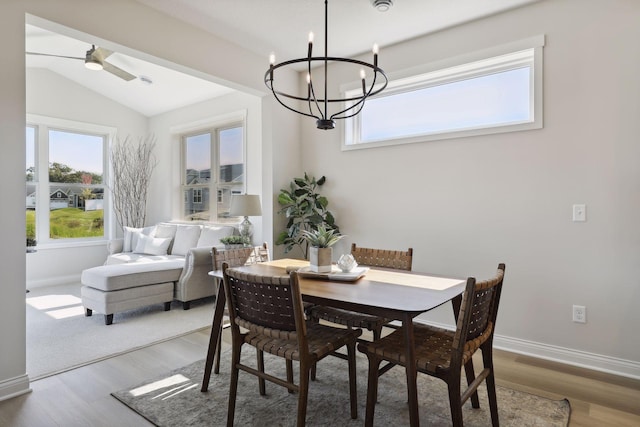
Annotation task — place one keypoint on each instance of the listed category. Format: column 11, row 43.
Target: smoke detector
column 382, row 5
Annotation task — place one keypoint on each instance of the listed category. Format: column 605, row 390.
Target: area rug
column 175, row 399
column 60, row 337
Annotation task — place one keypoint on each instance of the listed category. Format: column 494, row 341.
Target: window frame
column 213, row 127
column 477, row 64
column 42, row 125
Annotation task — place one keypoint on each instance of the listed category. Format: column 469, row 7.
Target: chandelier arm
column 275, row 95
column 360, row 101
column 313, row 98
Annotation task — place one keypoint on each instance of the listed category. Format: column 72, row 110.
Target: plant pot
column 320, row 259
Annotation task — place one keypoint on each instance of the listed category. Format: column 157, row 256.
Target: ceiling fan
column 95, row 59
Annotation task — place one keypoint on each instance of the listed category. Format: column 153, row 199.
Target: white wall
column 467, row 204
column 51, row 95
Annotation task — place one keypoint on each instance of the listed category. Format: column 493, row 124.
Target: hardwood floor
column 81, row 397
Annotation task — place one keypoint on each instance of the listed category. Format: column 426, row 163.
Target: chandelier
column 317, row 101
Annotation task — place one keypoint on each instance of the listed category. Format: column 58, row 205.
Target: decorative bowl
column 347, row 262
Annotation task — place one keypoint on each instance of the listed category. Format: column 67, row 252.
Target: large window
column 500, row 93
column 65, row 176
column 213, row 164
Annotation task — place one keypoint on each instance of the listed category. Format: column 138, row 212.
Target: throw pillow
column 152, row 245
column 210, row 236
column 131, row 236
column 186, row 238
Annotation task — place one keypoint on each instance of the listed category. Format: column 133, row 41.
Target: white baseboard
column 14, row 387
column 583, row 359
column 53, row 281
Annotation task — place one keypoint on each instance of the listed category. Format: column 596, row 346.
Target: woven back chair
column 269, row 311
column 234, row 258
column 442, row 353
column 399, row 260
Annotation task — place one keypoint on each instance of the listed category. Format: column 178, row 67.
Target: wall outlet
column 579, row 213
column 580, row 314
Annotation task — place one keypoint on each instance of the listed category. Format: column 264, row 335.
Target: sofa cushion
column 152, row 245
column 124, row 276
column 210, row 236
column 186, row 238
column 131, row 235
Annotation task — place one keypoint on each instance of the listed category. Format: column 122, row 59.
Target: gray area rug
column 175, row 399
column 60, row 337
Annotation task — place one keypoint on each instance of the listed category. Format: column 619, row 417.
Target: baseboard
column 53, row 281
column 583, row 359
column 14, row 387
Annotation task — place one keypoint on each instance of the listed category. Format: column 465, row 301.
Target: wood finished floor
column 80, row 397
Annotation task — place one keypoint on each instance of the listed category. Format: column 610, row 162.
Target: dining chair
column 399, row 260
column 234, row 257
column 443, row 353
column 269, row 311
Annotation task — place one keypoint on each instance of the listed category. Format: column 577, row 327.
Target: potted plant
column 234, row 241
column 320, row 243
column 305, row 210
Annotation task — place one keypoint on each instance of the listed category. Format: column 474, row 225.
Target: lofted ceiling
column 279, row 26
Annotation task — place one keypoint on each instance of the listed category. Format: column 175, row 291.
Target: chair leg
column 471, row 375
column 303, row 392
column 216, row 368
column 455, row 400
column 289, row 365
column 313, row 372
column 372, row 389
column 261, row 381
column 377, row 333
column 353, row 386
column 487, row 357
column 233, row 385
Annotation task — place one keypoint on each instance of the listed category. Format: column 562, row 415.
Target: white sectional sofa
column 141, row 265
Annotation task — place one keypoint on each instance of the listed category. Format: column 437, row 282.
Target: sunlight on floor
column 64, row 305
column 167, row 382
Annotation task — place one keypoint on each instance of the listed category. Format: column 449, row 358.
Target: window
column 500, row 93
column 65, row 176
column 213, row 163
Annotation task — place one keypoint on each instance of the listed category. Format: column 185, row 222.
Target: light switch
column 579, row 213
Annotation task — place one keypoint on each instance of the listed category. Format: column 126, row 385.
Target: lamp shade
column 245, row 205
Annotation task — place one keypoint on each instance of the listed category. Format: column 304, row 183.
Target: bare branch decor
column 132, row 164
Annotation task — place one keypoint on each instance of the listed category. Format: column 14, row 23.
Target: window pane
column 497, row 99
column 75, row 157
column 196, row 204
column 30, row 176
column 31, row 154
column 198, row 159
column 76, row 195
column 231, row 156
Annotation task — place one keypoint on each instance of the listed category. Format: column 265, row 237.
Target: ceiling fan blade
column 102, row 53
column 117, row 71
column 54, row 56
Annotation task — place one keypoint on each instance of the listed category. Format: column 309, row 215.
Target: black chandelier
column 318, row 108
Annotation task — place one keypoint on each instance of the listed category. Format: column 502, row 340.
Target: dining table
column 392, row 294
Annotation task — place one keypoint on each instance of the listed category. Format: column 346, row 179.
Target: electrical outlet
column 580, row 314
column 579, row 213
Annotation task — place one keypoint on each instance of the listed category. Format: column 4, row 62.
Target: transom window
column 500, row 93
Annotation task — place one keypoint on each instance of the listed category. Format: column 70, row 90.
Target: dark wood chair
column 399, row 260
column 442, row 353
column 269, row 310
column 234, row 257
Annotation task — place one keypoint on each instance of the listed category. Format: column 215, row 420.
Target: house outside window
column 65, row 179
column 492, row 92
column 213, row 163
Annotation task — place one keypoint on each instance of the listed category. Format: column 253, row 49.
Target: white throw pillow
column 210, row 236
column 186, row 238
column 152, row 245
column 131, row 236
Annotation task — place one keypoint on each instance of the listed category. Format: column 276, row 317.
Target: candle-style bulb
column 272, row 58
column 375, row 48
column 310, row 36
column 362, row 74
column 308, row 78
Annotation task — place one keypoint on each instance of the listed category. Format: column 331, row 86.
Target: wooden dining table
column 392, row 294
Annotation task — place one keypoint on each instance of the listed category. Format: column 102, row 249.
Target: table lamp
column 245, row 205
